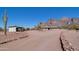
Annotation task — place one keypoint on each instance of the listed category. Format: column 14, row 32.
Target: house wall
column 12, row 29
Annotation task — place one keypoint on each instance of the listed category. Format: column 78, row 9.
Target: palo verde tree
column 5, row 18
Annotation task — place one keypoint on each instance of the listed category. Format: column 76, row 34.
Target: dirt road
column 36, row 41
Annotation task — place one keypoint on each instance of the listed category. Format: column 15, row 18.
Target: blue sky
column 31, row 16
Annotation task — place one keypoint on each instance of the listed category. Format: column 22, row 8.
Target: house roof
column 12, row 26
column 15, row 26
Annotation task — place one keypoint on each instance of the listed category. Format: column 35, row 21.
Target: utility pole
column 5, row 18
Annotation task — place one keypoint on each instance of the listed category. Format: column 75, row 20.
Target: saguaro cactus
column 5, row 18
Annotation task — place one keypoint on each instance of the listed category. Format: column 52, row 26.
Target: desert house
column 15, row 29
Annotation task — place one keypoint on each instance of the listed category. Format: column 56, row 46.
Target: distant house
column 15, row 29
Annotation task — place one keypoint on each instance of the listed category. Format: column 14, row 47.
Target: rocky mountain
column 61, row 22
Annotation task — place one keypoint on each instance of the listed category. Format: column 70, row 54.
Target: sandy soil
column 73, row 37
column 36, row 41
column 47, row 40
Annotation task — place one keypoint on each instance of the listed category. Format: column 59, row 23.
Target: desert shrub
column 28, row 29
column 74, row 26
column 39, row 27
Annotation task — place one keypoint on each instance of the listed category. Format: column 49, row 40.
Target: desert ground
column 35, row 40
